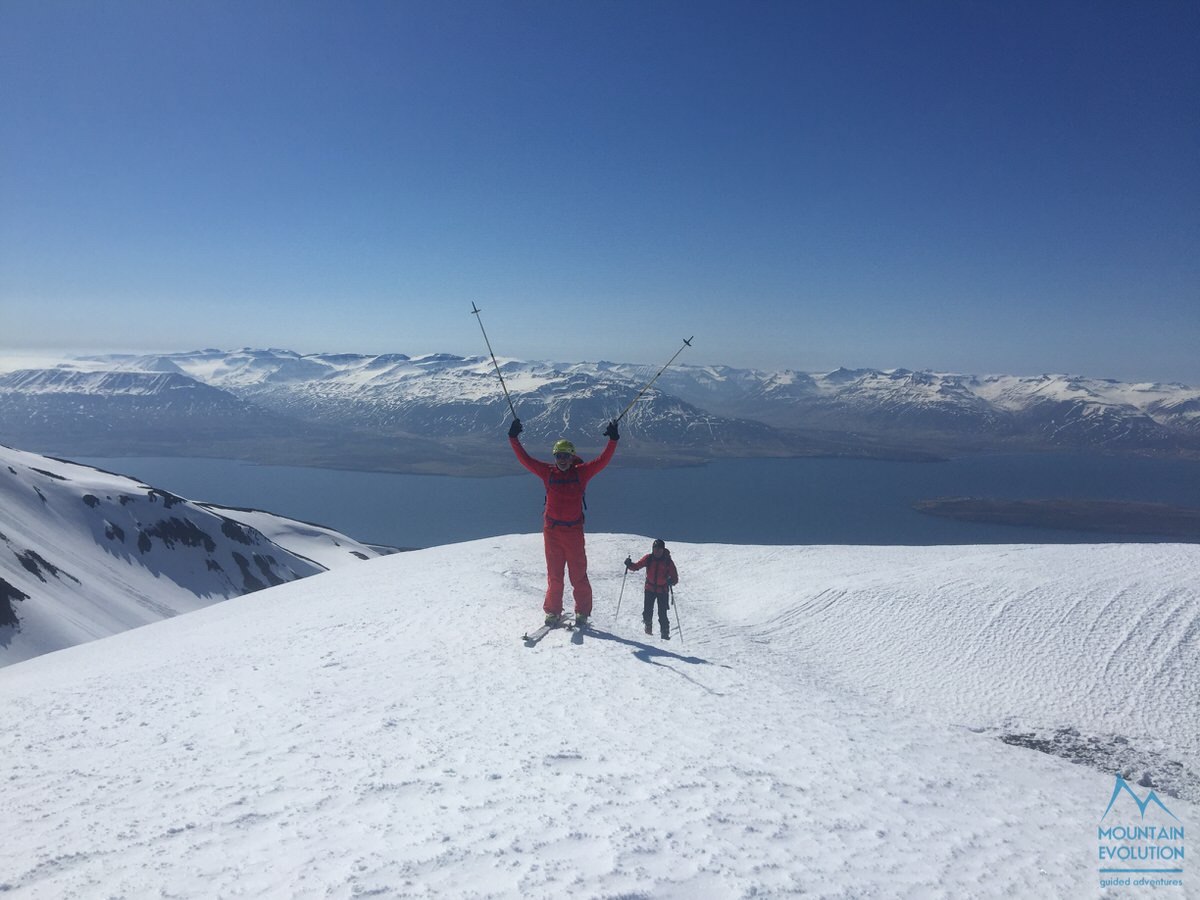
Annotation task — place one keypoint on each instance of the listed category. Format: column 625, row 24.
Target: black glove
column 628, row 563
column 672, row 581
column 515, row 428
column 611, row 431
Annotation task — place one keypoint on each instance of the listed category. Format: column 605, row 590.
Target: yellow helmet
column 564, row 446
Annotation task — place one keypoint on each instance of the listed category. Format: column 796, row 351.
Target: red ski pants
column 564, row 548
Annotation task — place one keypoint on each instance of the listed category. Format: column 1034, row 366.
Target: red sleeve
column 537, row 468
column 641, row 563
column 589, row 470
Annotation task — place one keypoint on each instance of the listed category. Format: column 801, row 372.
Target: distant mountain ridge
column 1045, row 411
column 446, row 413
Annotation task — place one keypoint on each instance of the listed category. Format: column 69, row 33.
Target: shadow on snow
column 648, row 653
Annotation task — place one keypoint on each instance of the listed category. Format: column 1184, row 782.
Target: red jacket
column 660, row 572
column 564, row 490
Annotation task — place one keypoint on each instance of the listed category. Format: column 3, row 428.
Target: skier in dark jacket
column 661, row 575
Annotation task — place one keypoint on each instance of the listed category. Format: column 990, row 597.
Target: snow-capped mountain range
column 405, row 413
column 85, row 553
column 1048, row 410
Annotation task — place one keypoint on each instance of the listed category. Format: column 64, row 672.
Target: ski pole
column 678, row 627
column 475, row 312
column 687, row 342
column 622, row 594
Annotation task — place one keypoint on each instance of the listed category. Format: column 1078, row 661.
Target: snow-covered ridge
column 85, row 553
column 834, row 737
column 903, row 391
column 78, row 382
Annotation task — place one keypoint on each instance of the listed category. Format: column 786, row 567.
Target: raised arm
column 523, row 457
column 592, row 468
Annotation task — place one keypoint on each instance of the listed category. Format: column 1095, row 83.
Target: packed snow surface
column 823, row 722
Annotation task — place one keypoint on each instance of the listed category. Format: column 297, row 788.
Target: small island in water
column 1111, row 516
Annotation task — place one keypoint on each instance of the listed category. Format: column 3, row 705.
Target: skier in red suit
column 566, row 480
column 661, row 576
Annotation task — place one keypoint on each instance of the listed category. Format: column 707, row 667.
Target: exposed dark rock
column 266, row 565
column 36, row 565
column 8, row 596
column 175, row 530
column 1111, row 753
column 249, row 582
column 236, row 531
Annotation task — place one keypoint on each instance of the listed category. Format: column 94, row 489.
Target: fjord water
column 746, row 501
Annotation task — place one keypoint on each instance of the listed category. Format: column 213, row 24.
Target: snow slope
column 380, row 730
column 86, row 553
column 324, row 546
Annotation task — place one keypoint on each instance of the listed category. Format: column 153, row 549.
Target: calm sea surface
column 757, row 501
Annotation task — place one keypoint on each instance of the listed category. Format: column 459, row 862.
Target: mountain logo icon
column 1122, row 787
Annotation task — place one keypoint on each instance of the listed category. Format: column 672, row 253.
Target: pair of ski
column 532, row 637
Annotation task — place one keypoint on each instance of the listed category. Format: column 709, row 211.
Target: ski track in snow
column 382, row 730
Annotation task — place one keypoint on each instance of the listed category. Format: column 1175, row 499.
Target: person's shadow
column 648, row 653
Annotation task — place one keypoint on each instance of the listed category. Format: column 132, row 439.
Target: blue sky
column 971, row 186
